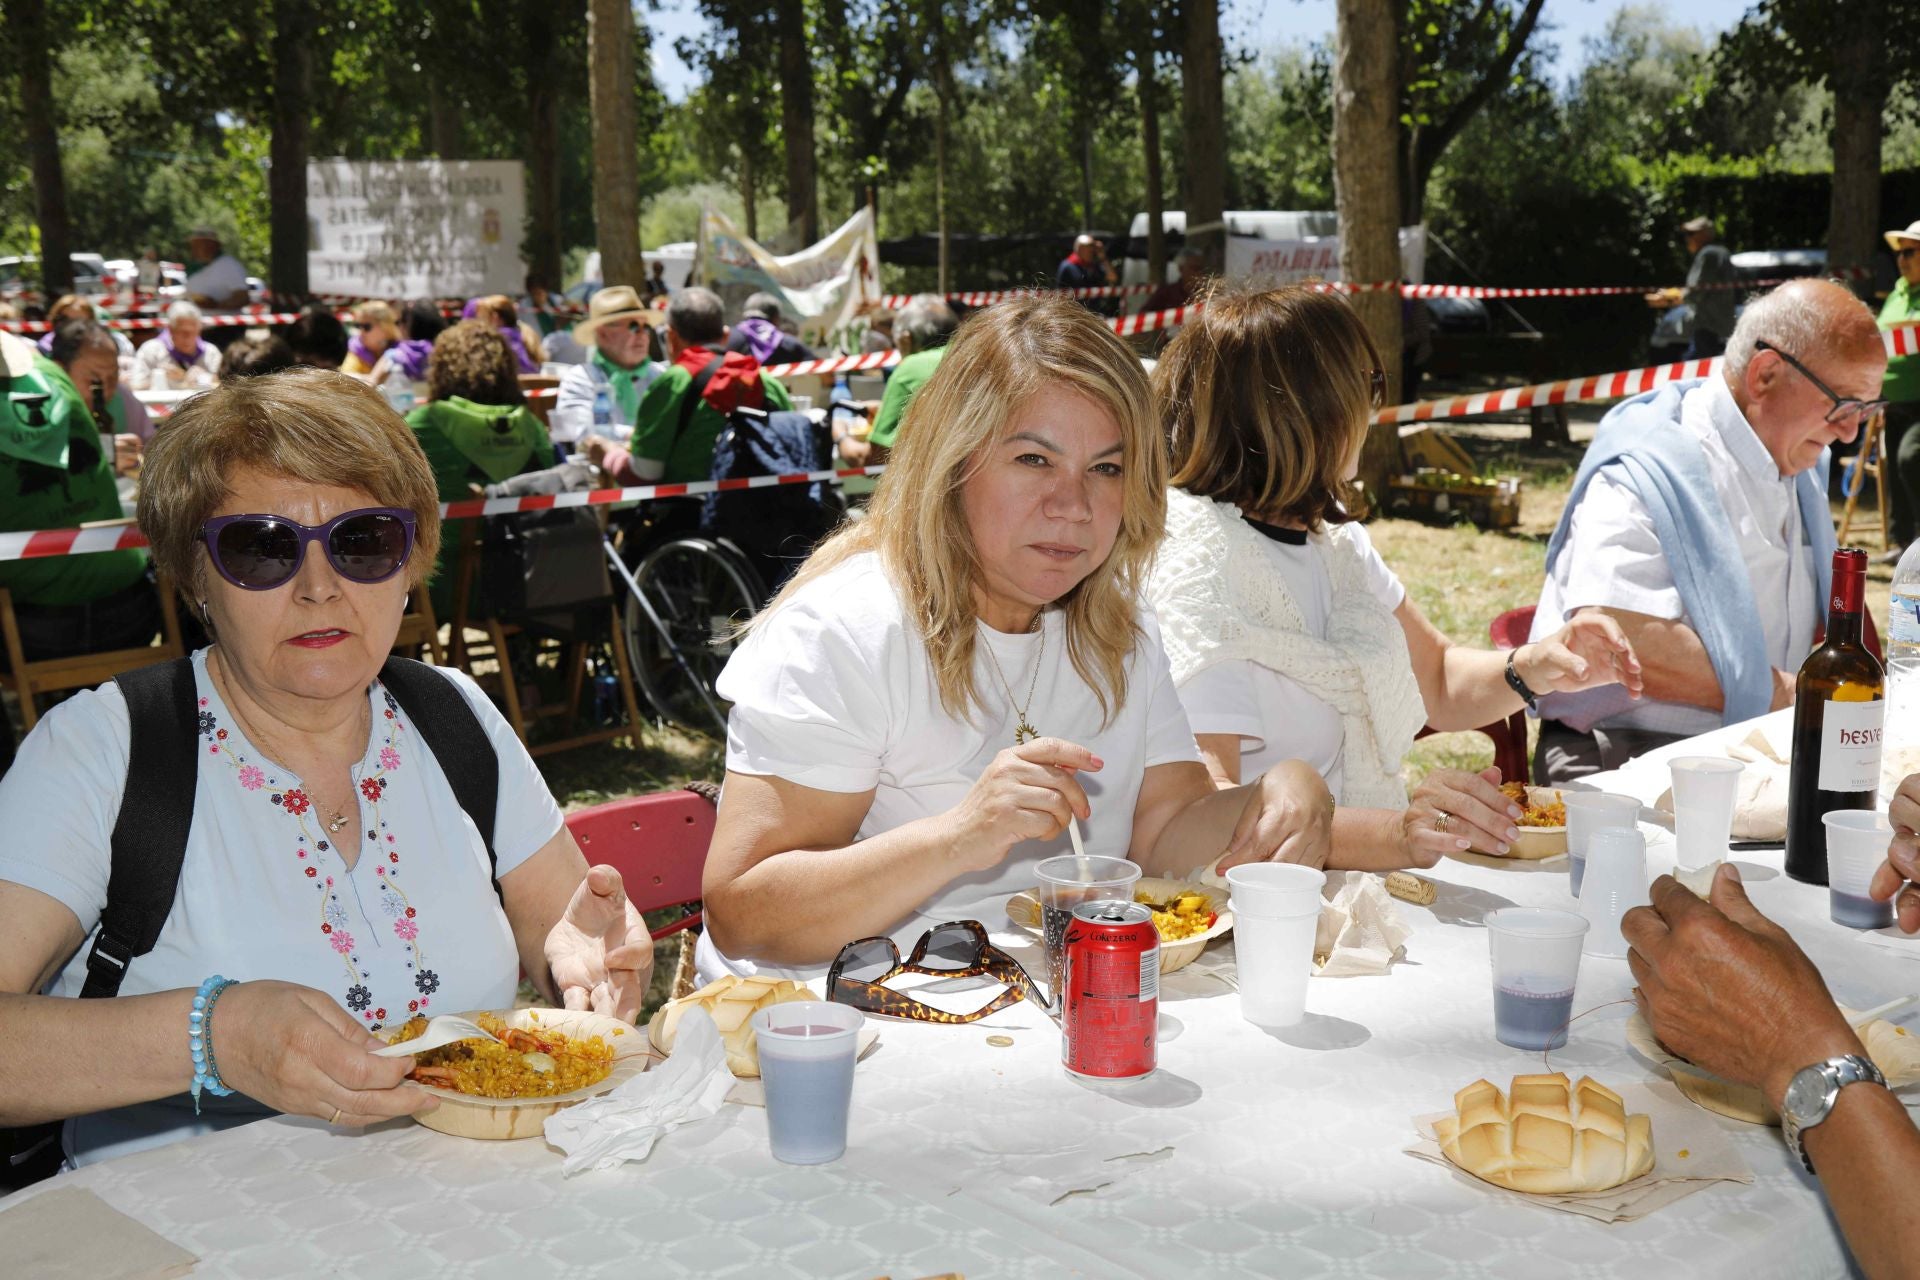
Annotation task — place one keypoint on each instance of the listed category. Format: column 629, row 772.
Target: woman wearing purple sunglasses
column 330, row 868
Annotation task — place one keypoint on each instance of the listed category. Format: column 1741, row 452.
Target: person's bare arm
column 1182, row 820
column 1675, row 664
column 1220, row 753
column 1726, row 988
column 1464, row 688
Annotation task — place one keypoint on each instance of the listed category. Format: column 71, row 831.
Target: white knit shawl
column 1219, row 600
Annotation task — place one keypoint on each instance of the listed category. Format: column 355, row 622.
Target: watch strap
column 1839, row 1072
column 1519, row 686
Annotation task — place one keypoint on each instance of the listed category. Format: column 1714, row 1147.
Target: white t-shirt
column 218, row 280
column 1275, row 717
column 834, row 692
column 1613, row 559
column 414, row 926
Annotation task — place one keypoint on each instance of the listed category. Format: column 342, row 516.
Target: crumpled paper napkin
column 624, row 1124
column 1760, row 803
column 1690, row 1153
column 1360, row 930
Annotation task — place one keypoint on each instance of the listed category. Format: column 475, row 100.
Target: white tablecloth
column 1250, row 1153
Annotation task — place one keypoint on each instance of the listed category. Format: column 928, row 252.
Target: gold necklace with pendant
column 1023, row 732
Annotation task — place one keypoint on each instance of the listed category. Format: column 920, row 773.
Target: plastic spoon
column 445, row 1029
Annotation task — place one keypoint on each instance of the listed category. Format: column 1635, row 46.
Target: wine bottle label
column 1850, row 746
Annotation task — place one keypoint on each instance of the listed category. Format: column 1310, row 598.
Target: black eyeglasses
column 1845, row 408
column 1907, row 252
column 261, row 552
column 1377, row 386
column 957, row 949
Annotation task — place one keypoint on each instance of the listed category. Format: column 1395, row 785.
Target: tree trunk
column 1204, row 127
column 1859, row 102
column 1366, row 101
column 749, row 193
column 292, row 123
column 543, row 144
column 26, row 24
column 1150, row 140
column 616, row 183
column 443, row 123
column 796, row 118
column 942, row 103
column 1086, row 175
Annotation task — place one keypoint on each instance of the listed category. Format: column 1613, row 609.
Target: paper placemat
column 69, row 1232
column 1690, row 1153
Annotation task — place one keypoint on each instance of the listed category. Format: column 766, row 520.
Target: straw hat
column 203, row 233
column 1895, row 237
column 616, row 303
column 1697, row 224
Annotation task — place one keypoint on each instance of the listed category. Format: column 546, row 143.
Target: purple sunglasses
column 261, row 552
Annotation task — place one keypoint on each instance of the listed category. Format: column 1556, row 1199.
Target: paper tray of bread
column 1614, row 1156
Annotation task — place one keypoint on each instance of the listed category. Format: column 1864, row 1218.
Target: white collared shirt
column 1613, row 558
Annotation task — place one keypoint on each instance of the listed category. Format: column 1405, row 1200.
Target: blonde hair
column 73, row 303
column 997, row 361
column 1265, row 396
column 370, row 315
column 315, row 425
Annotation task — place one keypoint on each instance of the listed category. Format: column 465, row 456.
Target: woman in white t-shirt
column 944, row 684
column 1287, row 634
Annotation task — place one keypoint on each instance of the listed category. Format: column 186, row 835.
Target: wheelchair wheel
column 701, row 590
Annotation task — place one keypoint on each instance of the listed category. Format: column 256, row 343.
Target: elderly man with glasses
column 1699, row 522
column 601, row 396
column 1902, row 391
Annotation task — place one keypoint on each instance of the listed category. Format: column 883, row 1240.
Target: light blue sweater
column 1645, row 446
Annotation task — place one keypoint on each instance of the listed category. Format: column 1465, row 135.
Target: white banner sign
column 824, row 286
column 415, row 228
column 1314, row 258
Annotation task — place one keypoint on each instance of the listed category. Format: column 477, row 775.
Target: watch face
column 1806, row 1094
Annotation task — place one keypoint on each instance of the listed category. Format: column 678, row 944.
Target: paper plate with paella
column 1187, row 915
column 541, row 1061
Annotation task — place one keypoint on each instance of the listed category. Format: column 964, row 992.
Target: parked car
column 19, row 273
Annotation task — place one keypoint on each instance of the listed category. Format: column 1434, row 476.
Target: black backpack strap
column 156, row 814
column 452, row 731
column 696, row 392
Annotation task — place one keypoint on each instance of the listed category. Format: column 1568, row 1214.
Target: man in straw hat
column 1902, row 392
column 219, row 281
column 602, row 395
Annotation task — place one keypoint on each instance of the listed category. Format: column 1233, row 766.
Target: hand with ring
column 1453, row 811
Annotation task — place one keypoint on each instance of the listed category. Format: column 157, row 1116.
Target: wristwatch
column 1519, row 686
column 1813, row 1091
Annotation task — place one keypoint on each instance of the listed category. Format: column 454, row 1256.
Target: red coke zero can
column 1110, row 1012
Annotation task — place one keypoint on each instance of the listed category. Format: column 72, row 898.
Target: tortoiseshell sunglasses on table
column 957, row 949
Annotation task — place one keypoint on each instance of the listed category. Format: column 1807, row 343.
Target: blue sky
column 1248, row 23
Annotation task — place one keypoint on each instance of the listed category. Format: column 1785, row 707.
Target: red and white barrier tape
column 43, row 543
column 987, row 297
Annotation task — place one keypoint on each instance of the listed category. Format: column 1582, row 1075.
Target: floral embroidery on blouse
column 334, row 918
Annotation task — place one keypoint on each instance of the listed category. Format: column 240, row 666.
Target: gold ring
column 1441, row 820
column 336, row 1116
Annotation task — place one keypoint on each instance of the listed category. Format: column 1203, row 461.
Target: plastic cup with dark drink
column 1857, row 842
column 1065, row 883
column 807, row 1050
column 1536, row 959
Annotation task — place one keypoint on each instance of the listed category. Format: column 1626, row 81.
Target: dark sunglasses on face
column 261, row 552
column 1844, row 409
column 957, row 949
column 1377, row 385
column 1907, row 252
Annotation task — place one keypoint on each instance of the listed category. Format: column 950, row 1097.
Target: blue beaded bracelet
column 200, row 1040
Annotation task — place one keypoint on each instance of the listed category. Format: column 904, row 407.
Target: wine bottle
column 1838, row 709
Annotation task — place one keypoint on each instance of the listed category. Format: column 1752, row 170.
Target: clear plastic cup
column 1536, row 960
column 1588, row 812
column 1065, row 883
column 1704, row 790
column 1616, row 882
column 807, row 1050
column 1276, row 911
column 1857, row 842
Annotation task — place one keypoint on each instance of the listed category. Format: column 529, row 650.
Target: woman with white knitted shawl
column 1288, row 636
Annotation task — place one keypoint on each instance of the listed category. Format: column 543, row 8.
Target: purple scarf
column 360, row 352
column 46, row 343
column 409, row 355
column 188, row 359
column 519, row 346
column 763, row 337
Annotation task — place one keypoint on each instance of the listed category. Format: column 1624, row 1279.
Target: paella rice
column 533, row 1062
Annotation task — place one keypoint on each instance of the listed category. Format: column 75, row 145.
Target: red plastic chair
column 658, row 844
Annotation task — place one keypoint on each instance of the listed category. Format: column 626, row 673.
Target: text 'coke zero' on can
column 1110, row 1010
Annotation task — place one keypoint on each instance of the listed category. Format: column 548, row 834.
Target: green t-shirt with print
column 691, row 456
column 902, row 383
column 54, row 475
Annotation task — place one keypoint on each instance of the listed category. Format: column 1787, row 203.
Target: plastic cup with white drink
column 1536, row 961
column 1276, row 908
column 1616, row 883
column 1588, row 812
column 807, row 1050
column 1704, row 791
column 1857, row 842
column 1065, row 883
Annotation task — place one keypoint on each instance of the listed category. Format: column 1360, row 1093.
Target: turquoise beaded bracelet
column 206, row 1075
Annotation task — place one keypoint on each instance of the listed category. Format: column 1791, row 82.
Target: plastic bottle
column 398, row 389
column 1900, row 750
column 602, row 407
